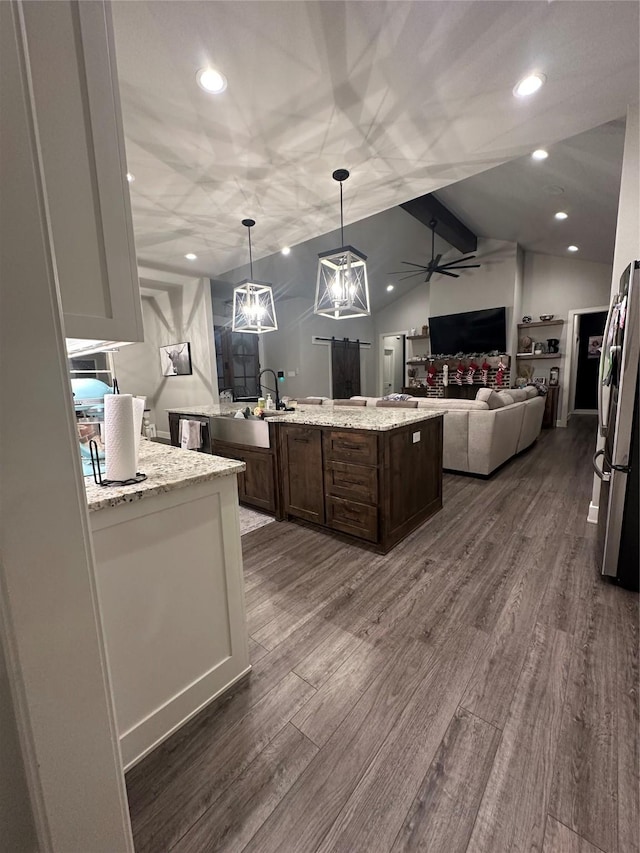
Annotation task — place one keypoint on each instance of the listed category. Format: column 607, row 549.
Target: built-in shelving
column 539, row 355
column 417, row 337
column 540, row 324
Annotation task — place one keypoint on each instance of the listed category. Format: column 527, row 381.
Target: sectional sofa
column 482, row 434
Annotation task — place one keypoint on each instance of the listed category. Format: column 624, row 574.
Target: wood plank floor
column 474, row 690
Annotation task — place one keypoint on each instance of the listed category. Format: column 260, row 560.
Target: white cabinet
column 76, row 107
column 171, row 591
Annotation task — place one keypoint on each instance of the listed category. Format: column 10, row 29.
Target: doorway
column 589, row 342
column 393, row 364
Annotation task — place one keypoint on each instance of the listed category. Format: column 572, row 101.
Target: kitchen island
column 373, row 474
column 170, row 587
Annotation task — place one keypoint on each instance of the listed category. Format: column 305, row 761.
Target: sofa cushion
column 349, row 402
column 398, row 404
column 490, row 397
column 370, row 401
column 310, row 401
column 519, row 395
column 507, row 398
column 531, row 391
column 450, row 405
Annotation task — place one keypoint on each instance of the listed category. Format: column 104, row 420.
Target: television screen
column 470, row 331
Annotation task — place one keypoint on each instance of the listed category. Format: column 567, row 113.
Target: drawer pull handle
column 345, row 445
column 303, row 440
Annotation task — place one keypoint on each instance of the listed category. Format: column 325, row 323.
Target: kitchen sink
column 252, row 432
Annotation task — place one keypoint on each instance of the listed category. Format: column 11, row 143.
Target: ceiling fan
column 434, row 265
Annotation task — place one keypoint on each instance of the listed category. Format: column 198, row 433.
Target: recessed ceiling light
column 191, row 257
column 131, row 178
column 561, row 215
column 572, row 248
column 285, row 250
column 528, row 85
column 390, row 287
column 540, row 154
column 211, row 81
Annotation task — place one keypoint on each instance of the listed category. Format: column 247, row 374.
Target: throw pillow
column 490, row 397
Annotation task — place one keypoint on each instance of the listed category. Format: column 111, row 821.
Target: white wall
column 557, row 285
column 174, row 313
column 291, row 348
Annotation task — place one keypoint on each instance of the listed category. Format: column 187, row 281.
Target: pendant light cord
column 250, row 255
column 341, row 218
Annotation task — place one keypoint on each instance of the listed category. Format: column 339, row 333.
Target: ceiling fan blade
column 462, row 267
column 446, row 272
column 459, row 261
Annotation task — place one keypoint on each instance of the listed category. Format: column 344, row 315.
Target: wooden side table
column 551, row 407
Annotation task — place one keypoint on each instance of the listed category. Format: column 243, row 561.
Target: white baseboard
column 162, row 434
column 592, row 516
column 158, row 726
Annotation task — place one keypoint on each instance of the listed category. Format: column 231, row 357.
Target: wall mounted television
column 470, row 331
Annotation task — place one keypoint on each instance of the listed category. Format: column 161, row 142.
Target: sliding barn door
column 345, row 368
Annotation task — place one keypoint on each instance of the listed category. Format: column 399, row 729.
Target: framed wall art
column 175, row 359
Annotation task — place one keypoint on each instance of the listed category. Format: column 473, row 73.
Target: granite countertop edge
column 165, row 473
column 374, row 419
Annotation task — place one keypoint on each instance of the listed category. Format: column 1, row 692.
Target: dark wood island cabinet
column 375, row 485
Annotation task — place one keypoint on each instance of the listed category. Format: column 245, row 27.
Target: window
column 237, row 361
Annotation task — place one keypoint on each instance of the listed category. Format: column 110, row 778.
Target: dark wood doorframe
column 345, row 368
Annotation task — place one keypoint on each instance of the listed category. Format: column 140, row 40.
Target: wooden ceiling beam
column 449, row 227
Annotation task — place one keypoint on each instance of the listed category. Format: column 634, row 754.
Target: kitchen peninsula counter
column 170, row 587
column 167, row 468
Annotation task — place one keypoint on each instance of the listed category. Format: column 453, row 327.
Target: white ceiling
column 517, row 200
column 410, row 96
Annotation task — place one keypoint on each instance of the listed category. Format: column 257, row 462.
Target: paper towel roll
column 138, row 414
column 119, row 437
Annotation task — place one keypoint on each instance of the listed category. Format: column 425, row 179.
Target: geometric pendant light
column 342, row 288
column 253, row 308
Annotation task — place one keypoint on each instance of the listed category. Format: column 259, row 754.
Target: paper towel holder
column 97, row 474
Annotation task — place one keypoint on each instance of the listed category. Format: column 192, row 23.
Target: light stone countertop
column 167, row 468
column 356, row 417
column 374, row 418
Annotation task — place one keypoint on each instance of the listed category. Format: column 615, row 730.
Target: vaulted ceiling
column 410, row 96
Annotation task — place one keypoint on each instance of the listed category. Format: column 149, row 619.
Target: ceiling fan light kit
column 342, row 286
column 434, row 265
column 253, row 307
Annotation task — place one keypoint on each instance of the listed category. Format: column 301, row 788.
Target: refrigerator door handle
column 602, row 414
column 603, row 475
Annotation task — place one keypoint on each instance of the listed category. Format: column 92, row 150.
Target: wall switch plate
column 291, row 373
column 416, row 437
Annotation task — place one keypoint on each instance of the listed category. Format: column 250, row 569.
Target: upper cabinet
column 70, row 55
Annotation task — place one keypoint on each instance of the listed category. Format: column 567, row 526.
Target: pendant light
column 253, row 308
column 342, row 289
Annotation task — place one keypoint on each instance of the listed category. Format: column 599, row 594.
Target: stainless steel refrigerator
column 618, row 514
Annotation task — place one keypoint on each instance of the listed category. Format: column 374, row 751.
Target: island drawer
column 344, row 480
column 347, row 446
column 354, row 518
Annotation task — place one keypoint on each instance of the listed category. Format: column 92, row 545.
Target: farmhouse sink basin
column 250, row 432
